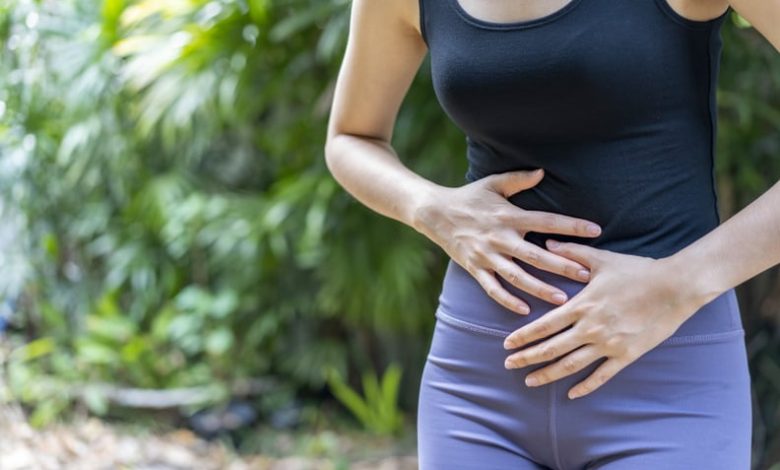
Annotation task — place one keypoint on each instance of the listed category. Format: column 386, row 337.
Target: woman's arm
column 475, row 224
column 743, row 246
column 383, row 54
column 748, row 243
column 611, row 318
column 763, row 15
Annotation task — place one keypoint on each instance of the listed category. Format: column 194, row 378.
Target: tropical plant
column 162, row 163
column 378, row 409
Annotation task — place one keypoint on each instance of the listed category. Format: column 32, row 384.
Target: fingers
column 510, row 182
column 519, row 278
column 567, row 365
column 584, row 254
column 599, row 377
column 542, row 259
column 550, row 222
column 548, row 350
column 551, row 322
column 496, row 291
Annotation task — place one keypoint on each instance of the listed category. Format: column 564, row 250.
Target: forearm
column 743, row 246
column 370, row 170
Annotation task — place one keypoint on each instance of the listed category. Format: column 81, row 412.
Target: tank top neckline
column 568, row 8
column 510, row 25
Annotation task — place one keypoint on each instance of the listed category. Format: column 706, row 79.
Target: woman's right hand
column 482, row 231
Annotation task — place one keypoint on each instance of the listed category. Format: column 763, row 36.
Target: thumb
column 510, row 182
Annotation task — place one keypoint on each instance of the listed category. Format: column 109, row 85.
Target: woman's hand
column 482, row 231
column 631, row 304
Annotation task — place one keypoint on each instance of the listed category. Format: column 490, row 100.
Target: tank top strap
column 438, row 17
column 614, row 99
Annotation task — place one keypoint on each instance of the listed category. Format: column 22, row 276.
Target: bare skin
column 475, row 224
column 609, row 317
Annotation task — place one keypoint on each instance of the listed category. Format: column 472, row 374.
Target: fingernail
column 509, row 345
column 553, row 243
column 559, row 297
column 531, row 381
column 583, row 274
column 594, row 229
column 573, row 395
column 508, row 364
column 523, row 310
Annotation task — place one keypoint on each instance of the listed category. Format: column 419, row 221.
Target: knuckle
column 611, row 317
column 508, row 275
column 569, row 270
column 571, row 316
column 493, row 291
column 468, row 265
column 585, row 387
column 473, row 271
column 520, row 218
column 611, row 342
column 518, row 250
column 456, row 245
column 543, row 329
column 503, row 215
column 584, row 332
column 595, row 334
column 549, row 221
column 472, row 258
column 624, row 349
column 549, row 352
column 603, row 336
column 632, row 352
column 541, row 291
column 616, row 344
column 532, row 257
column 569, row 364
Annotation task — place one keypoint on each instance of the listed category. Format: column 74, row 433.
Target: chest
column 584, row 70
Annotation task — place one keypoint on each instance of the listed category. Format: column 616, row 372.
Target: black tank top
column 614, row 99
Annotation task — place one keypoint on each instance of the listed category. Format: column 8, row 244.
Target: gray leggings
column 683, row 405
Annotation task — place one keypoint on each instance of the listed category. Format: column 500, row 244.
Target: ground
column 89, row 443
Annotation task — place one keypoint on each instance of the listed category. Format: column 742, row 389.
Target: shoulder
column 699, row 10
column 404, row 14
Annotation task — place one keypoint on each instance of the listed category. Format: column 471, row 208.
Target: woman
column 621, row 347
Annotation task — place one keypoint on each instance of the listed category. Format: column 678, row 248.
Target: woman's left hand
column 630, row 305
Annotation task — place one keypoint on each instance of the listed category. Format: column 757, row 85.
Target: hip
column 463, row 302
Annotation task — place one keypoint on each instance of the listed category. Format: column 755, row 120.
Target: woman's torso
column 615, row 100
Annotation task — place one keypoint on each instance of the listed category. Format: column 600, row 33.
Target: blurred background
column 183, row 282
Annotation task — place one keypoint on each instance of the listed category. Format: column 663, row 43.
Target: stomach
column 463, row 301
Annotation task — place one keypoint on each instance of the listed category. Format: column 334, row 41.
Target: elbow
column 330, row 152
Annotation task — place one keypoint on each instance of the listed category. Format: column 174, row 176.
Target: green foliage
column 377, row 410
column 747, row 165
column 749, row 141
column 179, row 221
column 164, row 160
